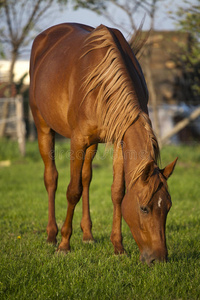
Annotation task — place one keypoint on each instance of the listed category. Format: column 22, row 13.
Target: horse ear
column 168, row 170
column 148, row 171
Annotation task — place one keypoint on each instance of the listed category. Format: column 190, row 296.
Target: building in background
column 173, row 100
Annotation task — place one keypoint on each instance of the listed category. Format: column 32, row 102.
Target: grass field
column 31, row 269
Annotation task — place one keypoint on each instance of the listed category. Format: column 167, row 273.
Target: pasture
column 31, row 269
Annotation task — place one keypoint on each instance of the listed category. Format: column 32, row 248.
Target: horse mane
column 117, row 102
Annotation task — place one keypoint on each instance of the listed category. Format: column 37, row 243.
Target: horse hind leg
column 86, row 223
column 74, row 190
column 46, row 142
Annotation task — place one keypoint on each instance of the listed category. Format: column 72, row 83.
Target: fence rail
column 12, row 117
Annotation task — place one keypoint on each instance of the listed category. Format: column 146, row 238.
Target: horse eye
column 144, row 209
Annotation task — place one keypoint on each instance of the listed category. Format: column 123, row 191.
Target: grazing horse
column 87, row 85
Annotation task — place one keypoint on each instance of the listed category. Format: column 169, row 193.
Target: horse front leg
column 118, row 190
column 74, row 191
column 86, row 223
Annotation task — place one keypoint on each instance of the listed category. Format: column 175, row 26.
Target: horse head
column 145, row 208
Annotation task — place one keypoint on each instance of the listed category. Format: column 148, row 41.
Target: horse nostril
column 145, row 258
column 152, row 258
column 152, row 261
column 142, row 258
column 159, row 259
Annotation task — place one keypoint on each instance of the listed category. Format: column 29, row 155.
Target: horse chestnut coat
column 87, row 85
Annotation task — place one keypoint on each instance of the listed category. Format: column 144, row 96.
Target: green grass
column 31, row 269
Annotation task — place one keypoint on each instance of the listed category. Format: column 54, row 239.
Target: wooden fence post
column 195, row 114
column 20, row 125
column 5, row 113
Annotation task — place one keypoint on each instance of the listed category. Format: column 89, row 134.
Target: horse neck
column 137, row 151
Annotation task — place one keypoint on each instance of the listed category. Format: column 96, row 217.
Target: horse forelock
column 117, row 103
column 151, row 187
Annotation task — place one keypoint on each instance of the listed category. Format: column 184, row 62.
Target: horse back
column 62, row 59
column 51, row 37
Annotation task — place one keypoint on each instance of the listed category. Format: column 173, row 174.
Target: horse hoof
column 89, row 241
column 62, row 251
column 88, row 238
column 52, row 241
column 64, row 247
column 120, row 252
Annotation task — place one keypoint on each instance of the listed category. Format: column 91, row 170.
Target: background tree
column 127, row 9
column 19, row 20
column 188, row 20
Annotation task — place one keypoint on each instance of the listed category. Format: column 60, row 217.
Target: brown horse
column 87, row 85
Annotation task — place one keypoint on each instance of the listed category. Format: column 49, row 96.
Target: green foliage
column 31, row 269
column 2, row 54
column 95, row 5
column 189, row 60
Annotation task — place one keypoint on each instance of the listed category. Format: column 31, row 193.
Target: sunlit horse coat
column 87, row 85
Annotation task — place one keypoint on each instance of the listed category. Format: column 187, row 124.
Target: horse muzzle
column 156, row 256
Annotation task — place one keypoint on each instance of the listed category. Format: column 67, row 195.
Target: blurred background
column 170, row 58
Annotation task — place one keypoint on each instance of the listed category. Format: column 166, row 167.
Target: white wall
column 21, row 67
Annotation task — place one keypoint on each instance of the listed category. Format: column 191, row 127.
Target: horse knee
column 117, row 193
column 74, row 193
column 50, row 178
column 86, row 176
column 87, row 166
